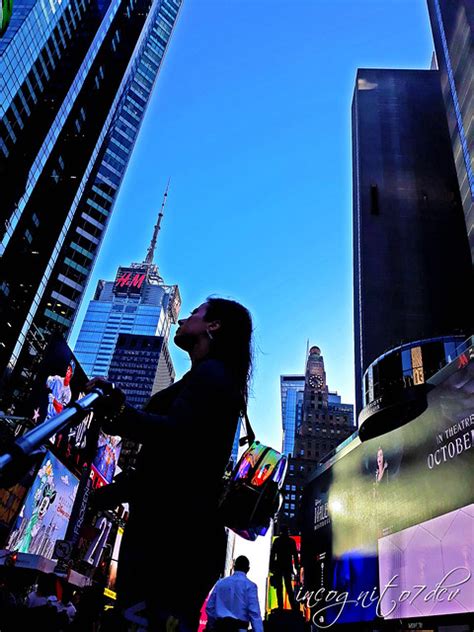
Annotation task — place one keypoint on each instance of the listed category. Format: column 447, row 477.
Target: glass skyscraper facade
column 76, row 78
column 291, row 390
column 452, row 23
column 412, row 266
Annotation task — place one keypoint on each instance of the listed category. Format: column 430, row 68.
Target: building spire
column 152, row 247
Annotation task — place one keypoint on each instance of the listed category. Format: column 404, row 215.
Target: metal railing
column 26, row 447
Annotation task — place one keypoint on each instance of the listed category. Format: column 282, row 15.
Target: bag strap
column 250, row 437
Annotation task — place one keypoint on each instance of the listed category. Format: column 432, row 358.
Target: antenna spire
column 152, row 247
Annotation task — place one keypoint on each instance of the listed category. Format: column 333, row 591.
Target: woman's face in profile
column 191, row 328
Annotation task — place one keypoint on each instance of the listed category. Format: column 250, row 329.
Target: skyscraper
column 134, row 367
column 125, row 332
column 452, row 23
column 78, row 76
column 412, row 267
column 291, row 390
column 323, row 423
column 136, row 302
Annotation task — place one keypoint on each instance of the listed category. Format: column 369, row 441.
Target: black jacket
column 187, row 432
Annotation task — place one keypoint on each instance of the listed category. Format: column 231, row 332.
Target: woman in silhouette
column 189, row 426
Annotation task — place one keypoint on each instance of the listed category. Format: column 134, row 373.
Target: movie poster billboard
column 45, row 514
column 420, row 475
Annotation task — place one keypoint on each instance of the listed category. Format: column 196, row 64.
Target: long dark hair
column 232, row 342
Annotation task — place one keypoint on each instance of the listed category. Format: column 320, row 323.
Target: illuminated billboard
column 11, row 500
column 432, row 563
column 60, row 381
column 106, row 459
column 370, row 491
column 130, row 281
column 44, row 517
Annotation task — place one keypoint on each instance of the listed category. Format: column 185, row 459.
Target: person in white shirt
column 233, row 603
column 65, row 605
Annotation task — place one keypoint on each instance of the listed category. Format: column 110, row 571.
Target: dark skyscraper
column 412, row 267
column 322, row 423
column 452, row 23
column 134, row 366
column 78, row 77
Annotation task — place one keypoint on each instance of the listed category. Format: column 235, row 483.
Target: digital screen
column 379, row 488
column 44, row 517
column 106, row 458
column 432, row 566
column 60, row 382
column 11, row 500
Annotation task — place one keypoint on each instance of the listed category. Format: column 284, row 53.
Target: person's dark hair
column 232, row 343
column 242, row 564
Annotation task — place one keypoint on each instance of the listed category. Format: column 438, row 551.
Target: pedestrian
column 187, row 428
column 233, row 603
column 65, row 606
column 283, row 563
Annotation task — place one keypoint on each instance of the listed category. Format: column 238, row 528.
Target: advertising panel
column 432, row 564
column 130, row 281
column 382, row 487
column 11, row 500
column 61, row 381
column 106, row 459
column 45, row 514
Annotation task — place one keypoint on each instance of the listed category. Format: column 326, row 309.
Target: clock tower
column 315, row 373
column 323, row 424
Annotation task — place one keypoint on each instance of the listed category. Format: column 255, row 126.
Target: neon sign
column 129, row 280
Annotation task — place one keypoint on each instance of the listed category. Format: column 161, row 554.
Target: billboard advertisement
column 11, row 500
column 361, row 505
column 433, row 563
column 61, row 381
column 106, row 459
column 130, row 281
column 45, row 514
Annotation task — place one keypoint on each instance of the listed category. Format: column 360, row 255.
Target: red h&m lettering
column 124, row 279
column 137, row 280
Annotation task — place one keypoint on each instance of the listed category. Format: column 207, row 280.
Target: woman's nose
column 181, row 321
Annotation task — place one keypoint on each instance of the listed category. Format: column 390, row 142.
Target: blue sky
column 250, row 118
